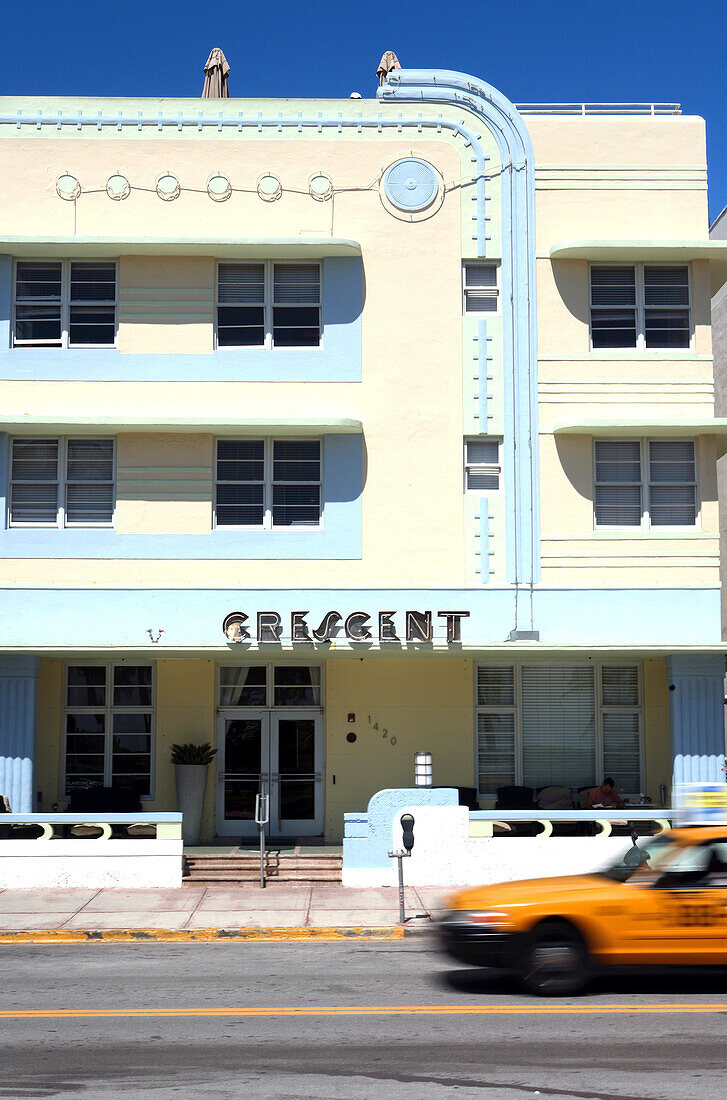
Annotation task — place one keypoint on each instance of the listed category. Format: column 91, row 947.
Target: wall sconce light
column 423, row 769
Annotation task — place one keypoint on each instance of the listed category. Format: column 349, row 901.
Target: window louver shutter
column 34, row 472
column 672, row 489
column 618, row 483
column 297, row 284
column 480, row 288
column 89, row 481
column 558, row 725
column 241, row 284
column 482, row 464
column 613, row 286
column 666, row 286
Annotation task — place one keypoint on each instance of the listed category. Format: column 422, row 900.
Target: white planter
column 191, row 782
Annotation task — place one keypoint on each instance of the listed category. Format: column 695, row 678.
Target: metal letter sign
column 418, row 626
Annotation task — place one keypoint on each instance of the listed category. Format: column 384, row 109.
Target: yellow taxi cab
column 663, row 904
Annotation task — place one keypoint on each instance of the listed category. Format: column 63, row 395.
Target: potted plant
column 190, row 770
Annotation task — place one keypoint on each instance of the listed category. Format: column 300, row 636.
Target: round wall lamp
column 269, row 188
column 167, row 187
column 219, row 188
column 68, row 187
column 320, row 187
column 118, row 187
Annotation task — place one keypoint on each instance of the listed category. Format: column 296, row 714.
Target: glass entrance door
column 296, row 803
column 278, row 753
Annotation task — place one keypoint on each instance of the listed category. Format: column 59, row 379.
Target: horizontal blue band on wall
column 192, row 618
column 338, row 537
column 338, row 359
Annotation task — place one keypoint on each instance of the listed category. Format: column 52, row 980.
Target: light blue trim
column 338, row 359
column 339, row 536
column 484, row 540
column 404, row 190
column 368, row 837
column 519, row 334
column 18, row 720
column 483, row 390
column 696, row 711
column 192, row 617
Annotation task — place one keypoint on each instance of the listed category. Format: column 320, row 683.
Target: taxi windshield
column 658, row 854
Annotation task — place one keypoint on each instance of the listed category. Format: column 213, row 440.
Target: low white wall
column 90, row 863
column 444, row 854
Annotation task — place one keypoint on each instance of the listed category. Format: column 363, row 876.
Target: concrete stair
column 243, row 868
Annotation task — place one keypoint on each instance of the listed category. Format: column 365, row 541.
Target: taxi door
column 694, row 914
column 681, row 918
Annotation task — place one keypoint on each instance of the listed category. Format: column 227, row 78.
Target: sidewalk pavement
column 300, row 909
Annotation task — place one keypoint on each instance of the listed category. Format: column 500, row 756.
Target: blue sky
column 532, row 50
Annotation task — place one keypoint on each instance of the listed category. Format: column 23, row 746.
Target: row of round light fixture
column 219, row 188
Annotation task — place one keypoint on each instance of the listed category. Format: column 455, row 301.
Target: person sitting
column 606, row 795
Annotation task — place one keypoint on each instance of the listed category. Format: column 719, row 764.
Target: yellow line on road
column 364, row 1010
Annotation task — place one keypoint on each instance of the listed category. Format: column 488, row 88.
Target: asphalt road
column 225, row 1026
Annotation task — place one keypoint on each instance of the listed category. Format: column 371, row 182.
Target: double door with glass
column 278, row 753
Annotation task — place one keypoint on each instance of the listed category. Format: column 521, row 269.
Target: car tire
column 555, row 961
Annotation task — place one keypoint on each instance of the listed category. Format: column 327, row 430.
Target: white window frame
column 640, row 309
column 109, row 710
column 62, row 484
column 600, row 709
column 65, row 306
column 268, row 303
column 645, row 486
column 270, row 704
column 267, row 483
column 496, row 290
column 494, row 468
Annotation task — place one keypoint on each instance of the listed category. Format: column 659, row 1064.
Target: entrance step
column 244, row 867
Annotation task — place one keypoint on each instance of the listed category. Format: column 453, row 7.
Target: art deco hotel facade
column 333, row 431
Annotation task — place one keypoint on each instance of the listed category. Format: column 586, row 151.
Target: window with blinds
column 109, row 727
column 480, row 288
column 62, row 483
column 496, row 716
column 560, row 725
column 268, row 304
column 621, row 724
column 268, row 483
column 65, row 303
column 482, row 464
column 640, row 306
column 645, row 483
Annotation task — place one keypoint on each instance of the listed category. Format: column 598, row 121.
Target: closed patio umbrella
column 388, row 62
column 215, row 76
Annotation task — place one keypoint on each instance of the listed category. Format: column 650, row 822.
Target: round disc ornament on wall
column 118, row 187
column 68, row 187
column 168, row 187
column 218, row 187
column 320, row 187
column 269, row 188
column 411, row 184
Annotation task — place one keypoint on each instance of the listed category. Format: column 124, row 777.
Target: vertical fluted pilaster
column 696, row 711
column 18, row 719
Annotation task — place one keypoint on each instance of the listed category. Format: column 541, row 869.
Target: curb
column 200, row 935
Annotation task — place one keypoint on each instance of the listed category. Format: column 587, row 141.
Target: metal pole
column 262, row 855
column 402, row 914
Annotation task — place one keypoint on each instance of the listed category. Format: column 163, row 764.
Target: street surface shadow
column 481, row 980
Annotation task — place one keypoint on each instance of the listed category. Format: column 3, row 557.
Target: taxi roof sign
column 700, row 804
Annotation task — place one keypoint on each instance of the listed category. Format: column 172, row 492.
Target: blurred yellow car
column 664, row 904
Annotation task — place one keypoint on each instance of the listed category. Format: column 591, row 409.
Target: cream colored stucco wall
column 426, row 704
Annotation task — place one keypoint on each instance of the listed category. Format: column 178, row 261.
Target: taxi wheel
column 555, row 962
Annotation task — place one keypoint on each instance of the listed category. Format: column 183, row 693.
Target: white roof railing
column 599, row 108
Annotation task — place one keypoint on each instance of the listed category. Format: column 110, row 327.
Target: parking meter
column 407, row 836
column 407, row 828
